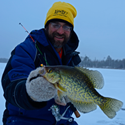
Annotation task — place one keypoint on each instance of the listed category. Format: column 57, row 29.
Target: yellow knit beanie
column 63, row 11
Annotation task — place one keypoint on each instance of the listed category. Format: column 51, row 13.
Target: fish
column 79, row 85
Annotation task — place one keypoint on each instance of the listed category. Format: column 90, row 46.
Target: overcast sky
column 100, row 25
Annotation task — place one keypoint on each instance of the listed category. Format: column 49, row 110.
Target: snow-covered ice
column 2, row 101
column 114, row 87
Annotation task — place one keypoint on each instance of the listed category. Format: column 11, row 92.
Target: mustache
column 57, row 34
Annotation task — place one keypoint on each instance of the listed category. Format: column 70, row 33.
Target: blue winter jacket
column 27, row 56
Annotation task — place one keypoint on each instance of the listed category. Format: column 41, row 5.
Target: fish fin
column 95, row 77
column 84, row 107
column 60, row 88
column 110, row 107
column 59, row 99
column 60, row 94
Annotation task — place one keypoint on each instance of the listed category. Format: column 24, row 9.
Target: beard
column 57, row 43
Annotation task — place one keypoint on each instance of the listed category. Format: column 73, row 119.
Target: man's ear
column 46, row 27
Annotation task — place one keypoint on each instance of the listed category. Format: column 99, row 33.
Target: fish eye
column 50, row 70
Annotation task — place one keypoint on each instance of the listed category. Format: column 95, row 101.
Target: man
column 30, row 99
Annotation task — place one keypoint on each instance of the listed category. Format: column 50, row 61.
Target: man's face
column 58, row 33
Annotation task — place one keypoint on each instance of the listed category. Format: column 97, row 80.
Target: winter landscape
column 114, row 87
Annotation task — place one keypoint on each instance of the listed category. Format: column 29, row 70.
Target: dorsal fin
column 95, row 77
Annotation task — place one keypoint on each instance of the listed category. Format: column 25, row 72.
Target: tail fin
column 110, row 107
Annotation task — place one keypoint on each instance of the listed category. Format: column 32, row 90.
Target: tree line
column 87, row 62
column 107, row 63
column 3, row 60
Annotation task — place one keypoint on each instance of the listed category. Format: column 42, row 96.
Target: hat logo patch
column 60, row 13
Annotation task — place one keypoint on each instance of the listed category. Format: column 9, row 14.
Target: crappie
column 79, row 84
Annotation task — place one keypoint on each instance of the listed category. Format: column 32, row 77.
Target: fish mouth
column 43, row 71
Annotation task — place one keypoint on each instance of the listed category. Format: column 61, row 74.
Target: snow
column 114, row 87
column 2, row 102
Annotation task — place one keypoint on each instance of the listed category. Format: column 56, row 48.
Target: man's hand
column 38, row 88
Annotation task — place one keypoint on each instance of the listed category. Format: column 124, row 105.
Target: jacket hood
column 39, row 35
